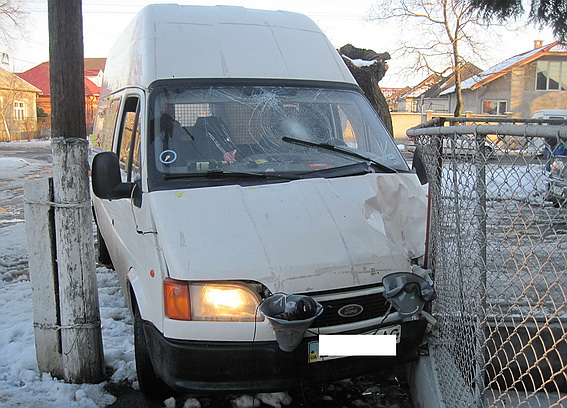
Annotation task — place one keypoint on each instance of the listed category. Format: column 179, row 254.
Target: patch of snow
column 11, row 164
column 245, row 401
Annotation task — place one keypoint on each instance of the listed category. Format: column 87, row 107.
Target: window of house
column 19, row 110
column 551, row 76
column 494, row 107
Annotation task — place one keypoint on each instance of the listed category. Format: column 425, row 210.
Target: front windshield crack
column 266, row 132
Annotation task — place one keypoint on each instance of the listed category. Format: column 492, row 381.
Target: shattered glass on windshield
column 267, row 131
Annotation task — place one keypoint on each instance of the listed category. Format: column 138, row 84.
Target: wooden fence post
column 40, row 234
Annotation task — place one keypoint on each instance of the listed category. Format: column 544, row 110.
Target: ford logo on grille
column 350, row 310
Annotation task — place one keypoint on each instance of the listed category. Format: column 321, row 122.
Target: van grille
column 374, row 305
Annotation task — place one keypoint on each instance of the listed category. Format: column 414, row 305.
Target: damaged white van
column 243, row 181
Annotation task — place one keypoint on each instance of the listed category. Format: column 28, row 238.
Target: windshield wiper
column 233, row 174
column 352, row 169
column 340, row 150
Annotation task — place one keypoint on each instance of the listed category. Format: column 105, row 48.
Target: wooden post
column 81, row 339
column 40, row 234
column 78, row 297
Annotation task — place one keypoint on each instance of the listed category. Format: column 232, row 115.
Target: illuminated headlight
column 210, row 301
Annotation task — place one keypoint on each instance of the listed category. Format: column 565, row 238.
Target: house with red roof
column 520, row 85
column 39, row 77
column 18, row 119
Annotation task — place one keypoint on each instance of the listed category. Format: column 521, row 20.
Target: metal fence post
column 480, row 216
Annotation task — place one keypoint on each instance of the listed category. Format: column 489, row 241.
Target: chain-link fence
column 497, row 246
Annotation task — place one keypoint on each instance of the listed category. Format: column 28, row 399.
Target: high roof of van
column 173, row 41
column 550, row 114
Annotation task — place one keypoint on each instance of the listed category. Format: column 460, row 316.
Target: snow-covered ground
column 21, row 384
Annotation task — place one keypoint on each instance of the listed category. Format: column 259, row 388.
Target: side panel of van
column 136, row 256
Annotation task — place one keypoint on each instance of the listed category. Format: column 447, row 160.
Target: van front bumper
column 261, row 366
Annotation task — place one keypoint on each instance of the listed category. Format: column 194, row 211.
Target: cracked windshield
column 267, row 132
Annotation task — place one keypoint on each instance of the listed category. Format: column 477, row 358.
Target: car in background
column 555, row 151
column 467, row 145
column 551, row 114
column 557, row 181
column 541, row 146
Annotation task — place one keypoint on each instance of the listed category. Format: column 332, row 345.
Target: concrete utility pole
column 81, row 341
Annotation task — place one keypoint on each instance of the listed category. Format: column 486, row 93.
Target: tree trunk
column 66, row 65
column 368, row 78
column 80, row 318
column 458, row 76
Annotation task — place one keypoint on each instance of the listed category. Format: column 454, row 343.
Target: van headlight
column 211, row 301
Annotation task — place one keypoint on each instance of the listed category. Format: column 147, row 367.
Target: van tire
column 103, row 255
column 152, row 387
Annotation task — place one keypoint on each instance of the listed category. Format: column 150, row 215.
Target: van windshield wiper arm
column 234, row 174
column 385, row 168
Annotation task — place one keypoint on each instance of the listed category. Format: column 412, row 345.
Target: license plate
column 313, row 347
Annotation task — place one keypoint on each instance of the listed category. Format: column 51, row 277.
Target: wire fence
column 497, row 246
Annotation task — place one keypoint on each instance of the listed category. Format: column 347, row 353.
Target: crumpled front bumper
column 225, row 366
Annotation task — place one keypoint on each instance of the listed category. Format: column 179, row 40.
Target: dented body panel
column 297, row 237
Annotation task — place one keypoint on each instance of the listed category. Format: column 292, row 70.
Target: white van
column 559, row 114
column 240, row 160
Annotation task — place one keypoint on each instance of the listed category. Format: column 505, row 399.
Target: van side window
column 129, row 142
column 102, row 137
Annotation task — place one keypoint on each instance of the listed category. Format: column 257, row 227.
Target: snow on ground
column 21, row 384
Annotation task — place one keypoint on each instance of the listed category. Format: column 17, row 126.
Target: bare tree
column 445, row 32
column 12, row 19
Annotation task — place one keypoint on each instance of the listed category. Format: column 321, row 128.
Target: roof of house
column 502, row 68
column 11, row 81
column 39, row 76
column 435, row 84
column 423, row 86
column 467, row 71
column 94, row 65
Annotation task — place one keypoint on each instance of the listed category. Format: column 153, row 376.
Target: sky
column 342, row 21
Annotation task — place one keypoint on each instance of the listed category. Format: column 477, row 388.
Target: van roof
column 173, row 41
column 548, row 113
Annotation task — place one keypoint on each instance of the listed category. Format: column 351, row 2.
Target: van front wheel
column 151, row 386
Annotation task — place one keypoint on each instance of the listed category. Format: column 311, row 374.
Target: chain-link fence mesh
column 497, row 246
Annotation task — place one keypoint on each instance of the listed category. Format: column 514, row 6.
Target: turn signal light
column 176, row 299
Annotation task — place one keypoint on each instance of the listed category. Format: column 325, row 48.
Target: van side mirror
column 106, row 180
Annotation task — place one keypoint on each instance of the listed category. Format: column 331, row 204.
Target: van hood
column 299, row 236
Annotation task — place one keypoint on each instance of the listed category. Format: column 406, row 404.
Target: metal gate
column 497, row 247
